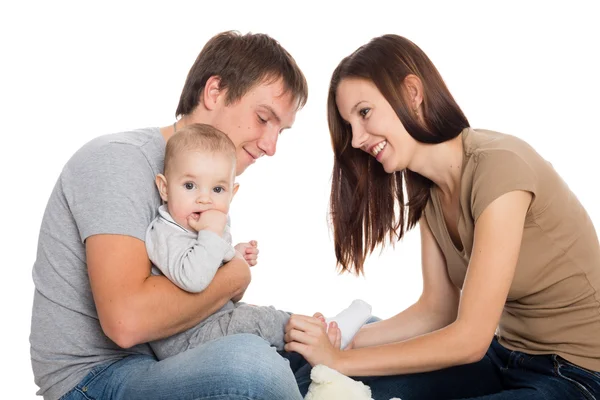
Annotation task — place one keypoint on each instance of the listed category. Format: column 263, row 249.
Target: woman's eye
column 189, row 185
column 363, row 112
column 261, row 120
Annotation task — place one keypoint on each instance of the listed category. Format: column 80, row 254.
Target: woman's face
column 376, row 129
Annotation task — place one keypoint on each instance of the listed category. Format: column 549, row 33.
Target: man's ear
column 212, row 93
column 236, row 186
column 161, row 184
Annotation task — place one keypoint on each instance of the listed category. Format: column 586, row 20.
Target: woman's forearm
column 416, row 320
column 443, row 348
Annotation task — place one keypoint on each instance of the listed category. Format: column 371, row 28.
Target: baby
column 190, row 239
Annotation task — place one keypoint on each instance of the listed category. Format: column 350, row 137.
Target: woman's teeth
column 377, row 149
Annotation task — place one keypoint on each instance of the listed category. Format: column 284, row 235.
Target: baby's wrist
column 211, row 229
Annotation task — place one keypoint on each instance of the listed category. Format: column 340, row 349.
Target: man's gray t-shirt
column 107, row 187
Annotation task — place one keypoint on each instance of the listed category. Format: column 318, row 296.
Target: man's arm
column 134, row 307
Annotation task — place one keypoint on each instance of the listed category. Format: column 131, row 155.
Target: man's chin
column 240, row 169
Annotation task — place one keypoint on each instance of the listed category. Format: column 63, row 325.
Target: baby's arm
column 189, row 260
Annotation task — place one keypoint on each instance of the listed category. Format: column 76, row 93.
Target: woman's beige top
column 553, row 305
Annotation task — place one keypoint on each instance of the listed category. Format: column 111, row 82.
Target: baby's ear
column 236, row 186
column 161, row 184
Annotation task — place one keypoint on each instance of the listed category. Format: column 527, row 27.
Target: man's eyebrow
column 273, row 113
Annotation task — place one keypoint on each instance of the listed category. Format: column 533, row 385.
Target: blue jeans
column 238, row 367
column 501, row 375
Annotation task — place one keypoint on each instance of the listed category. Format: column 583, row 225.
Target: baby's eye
column 189, row 185
column 218, row 189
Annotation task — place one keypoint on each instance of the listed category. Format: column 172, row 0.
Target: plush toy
column 329, row 384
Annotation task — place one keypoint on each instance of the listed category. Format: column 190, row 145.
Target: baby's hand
column 249, row 251
column 211, row 220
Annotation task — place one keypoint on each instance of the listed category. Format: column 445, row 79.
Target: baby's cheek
column 223, row 207
column 180, row 216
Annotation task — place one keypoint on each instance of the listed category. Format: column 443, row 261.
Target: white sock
column 351, row 320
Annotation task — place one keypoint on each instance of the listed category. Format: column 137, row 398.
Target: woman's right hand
column 308, row 337
column 334, row 333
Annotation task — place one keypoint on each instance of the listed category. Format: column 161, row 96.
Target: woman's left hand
column 309, row 337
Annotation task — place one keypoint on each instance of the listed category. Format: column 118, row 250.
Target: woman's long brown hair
column 367, row 204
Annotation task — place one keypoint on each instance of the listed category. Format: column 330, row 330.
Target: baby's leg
column 351, row 320
column 186, row 340
column 209, row 329
column 266, row 322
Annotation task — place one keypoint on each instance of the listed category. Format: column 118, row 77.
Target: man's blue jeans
column 501, row 375
column 238, row 367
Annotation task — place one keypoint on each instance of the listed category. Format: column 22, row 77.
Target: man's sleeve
column 110, row 190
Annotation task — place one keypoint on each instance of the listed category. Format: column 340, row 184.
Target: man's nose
column 268, row 142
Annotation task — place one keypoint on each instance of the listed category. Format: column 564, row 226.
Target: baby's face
column 198, row 181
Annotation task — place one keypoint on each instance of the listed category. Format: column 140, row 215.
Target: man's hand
column 249, row 251
column 244, row 268
column 210, row 220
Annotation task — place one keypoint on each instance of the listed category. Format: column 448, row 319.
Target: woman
column 510, row 307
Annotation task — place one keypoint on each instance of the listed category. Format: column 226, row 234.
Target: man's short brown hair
column 241, row 62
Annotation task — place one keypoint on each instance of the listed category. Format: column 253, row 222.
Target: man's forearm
column 160, row 309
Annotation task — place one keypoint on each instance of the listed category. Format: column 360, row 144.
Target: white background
column 73, row 71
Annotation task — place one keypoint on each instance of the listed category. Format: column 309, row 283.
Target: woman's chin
column 388, row 167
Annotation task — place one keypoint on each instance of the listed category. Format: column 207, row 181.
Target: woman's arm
column 496, row 246
column 134, row 307
column 436, row 308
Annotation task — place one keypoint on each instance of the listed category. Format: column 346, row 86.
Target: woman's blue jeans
column 236, row 367
column 501, row 375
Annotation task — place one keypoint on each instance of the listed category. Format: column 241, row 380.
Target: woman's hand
column 309, row 337
column 334, row 333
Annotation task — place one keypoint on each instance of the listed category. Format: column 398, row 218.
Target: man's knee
column 256, row 354
column 261, row 368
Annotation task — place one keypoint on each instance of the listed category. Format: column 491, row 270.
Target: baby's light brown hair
column 200, row 137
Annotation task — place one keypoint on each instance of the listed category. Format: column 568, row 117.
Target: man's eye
column 218, row 189
column 189, row 185
column 261, row 120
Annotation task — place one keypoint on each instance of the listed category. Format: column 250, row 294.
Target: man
column 96, row 305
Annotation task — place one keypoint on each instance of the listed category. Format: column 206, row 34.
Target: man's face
column 254, row 122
